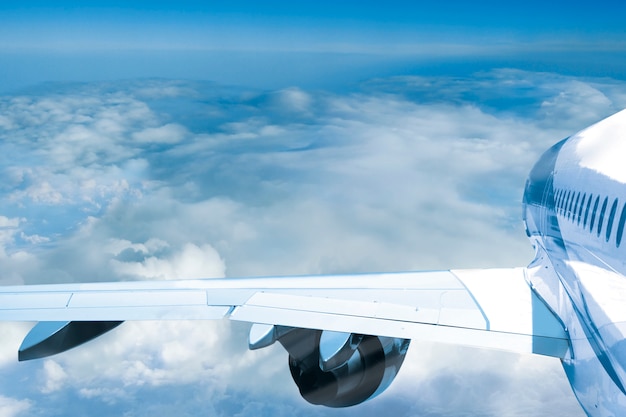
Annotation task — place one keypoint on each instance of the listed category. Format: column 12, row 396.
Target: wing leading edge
column 490, row 308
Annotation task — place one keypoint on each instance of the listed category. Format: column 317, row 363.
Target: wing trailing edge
column 488, row 308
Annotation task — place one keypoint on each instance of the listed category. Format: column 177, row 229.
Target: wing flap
column 512, row 342
column 490, row 309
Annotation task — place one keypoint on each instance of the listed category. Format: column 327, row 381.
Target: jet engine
column 335, row 369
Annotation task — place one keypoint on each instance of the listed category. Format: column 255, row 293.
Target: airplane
column 347, row 335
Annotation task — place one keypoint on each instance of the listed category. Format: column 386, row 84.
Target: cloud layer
column 172, row 179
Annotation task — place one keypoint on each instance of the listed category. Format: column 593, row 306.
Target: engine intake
column 338, row 369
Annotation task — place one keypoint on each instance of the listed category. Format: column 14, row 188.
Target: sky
column 161, row 140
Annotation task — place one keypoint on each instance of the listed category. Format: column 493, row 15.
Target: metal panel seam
column 487, row 322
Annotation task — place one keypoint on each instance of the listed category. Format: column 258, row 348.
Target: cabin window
column 587, row 210
column 562, row 201
column 570, row 202
column 620, row 226
column 575, row 208
column 602, row 212
column 580, row 209
column 593, row 213
column 609, row 225
column 557, row 199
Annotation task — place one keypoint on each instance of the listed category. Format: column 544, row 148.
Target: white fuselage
column 575, row 215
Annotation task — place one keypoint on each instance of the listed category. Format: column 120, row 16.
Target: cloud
column 166, row 134
column 189, row 262
column 547, row 100
column 166, row 180
column 12, row 335
column 577, row 100
column 10, row 407
column 463, row 384
column 54, row 376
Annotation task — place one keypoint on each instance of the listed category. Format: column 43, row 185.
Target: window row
column 589, row 211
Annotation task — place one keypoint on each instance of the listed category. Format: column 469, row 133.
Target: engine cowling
column 340, row 369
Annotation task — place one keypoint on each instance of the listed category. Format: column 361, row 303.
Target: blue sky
column 159, row 140
column 316, row 44
column 528, row 19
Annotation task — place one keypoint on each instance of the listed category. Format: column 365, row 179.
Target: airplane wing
column 490, row 308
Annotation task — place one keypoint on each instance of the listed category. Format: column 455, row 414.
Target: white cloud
column 44, row 193
column 164, row 89
column 107, row 395
column 71, row 149
column 54, row 377
column 156, row 354
column 189, row 262
column 166, row 134
column 578, row 101
column 6, row 222
column 9, row 229
column 481, row 381
column 291, row 101
column 117, row 246
column 10, row 407
column 12, row 335
column 6, row 123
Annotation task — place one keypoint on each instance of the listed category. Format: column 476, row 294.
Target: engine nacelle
column 337, row 369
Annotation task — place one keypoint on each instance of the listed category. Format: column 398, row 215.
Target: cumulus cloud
column 166, row 134
column 191, row 261
column 72, row 151
column 109, row 183
column 12, row 335
column 54, row 377
column 577, row 100
column 463, row 385
column 142, row 358
column 10, row 407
